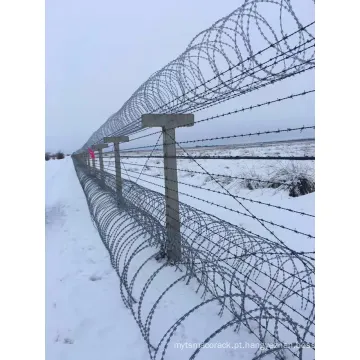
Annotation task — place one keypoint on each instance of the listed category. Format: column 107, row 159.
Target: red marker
column 91, row 153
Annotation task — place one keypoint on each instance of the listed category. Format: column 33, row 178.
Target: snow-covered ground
column 85, row 316
column 193, row 187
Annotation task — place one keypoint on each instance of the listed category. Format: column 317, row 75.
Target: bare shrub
column 297, row 178
column 59, row 155
column 250, row 180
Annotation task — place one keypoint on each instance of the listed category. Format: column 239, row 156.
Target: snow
column 85, row 317
column 152, row 178
column 85, row 314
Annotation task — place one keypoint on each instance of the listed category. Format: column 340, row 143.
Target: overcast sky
column 99, row 52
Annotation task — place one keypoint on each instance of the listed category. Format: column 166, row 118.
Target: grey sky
column 99, row 53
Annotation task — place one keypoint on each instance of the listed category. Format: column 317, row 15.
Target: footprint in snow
column 68, row 341
column 95, row 278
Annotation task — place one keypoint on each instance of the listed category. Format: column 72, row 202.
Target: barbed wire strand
column 240, row 197
column 240, row 203
column 237, row 65
column 225, row 207
column 258, row 133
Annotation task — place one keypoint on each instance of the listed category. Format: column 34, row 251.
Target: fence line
column 181, row 86
column 261, row 280
column 278, row 131
column 245, row 273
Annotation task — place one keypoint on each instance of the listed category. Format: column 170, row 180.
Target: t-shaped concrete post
column 99, row 148
column 117, row 140
column 93, row 162
column 168, row 123
column 87, row 159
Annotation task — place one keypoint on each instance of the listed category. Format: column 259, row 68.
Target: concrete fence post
column 93, row 162
column 99, row 149
column 117, row 140
column 168, row 123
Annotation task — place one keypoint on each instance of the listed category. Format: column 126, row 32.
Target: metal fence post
column 117, row 140
column 168, row 123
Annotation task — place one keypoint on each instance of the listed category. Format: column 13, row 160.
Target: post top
column 167, row 120
column 116, row 139
column 99, row 146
